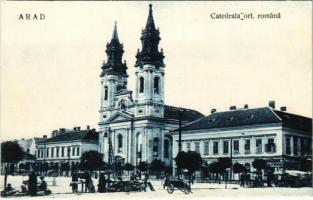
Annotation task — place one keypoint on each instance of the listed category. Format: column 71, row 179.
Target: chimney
column 62, row 130
column 78, row 128
column 283, row 108
column 213, row 110
column 74, row 128
column 88, row 127
column 44, row 137
column 232, row 108
column 54, row 133
column 271, row 104
column 246, row 106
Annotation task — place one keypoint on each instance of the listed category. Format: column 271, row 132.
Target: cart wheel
column 186, row 189
column 170, row 189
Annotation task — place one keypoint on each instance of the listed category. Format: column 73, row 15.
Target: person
column 8, row 191
column 166, row 181
column 43, row 186
column 89, row 184
column 133, row 177
column 146, row 179
column 193, row 178
column 269, row 178
column 74, row 183
column 242, row 179
column 32, row 184
column 102, row 183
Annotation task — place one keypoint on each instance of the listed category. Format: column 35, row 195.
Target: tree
column 305, row 164
column 11, row 153
column 259, row 164
column 128, row 167
column 190, row 160
column 143, row 166
column 238, row 168
column 215, row 169
column 224, row 163
column 157, row 166
column 90, row 161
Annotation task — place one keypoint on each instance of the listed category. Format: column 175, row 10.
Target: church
column 135, row 126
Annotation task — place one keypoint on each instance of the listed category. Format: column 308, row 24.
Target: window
column 188, row 146
column 166, row 148
column 62, row 151
column 52, row 152
column 225, row 147
column 141, row 85
column 42, row 153
column 106, row 93
column 77, row 151
column 197, row 147
column 258, row 146
column 120, row 142
column 47, row 152
column 38, row 153
column 302, row 148
column 155, row 147
column 270, row 146
column 295, row 145
column 206, row 148
column 58, row 152
column 247, row 146
column 68, row 151
column 139, row 145
column 288, row 147
column 73, row 151
column 156, row 84
column 236, row 146
column 215, row 147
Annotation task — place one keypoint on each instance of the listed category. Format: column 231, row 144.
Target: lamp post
column 231, row 159
column 180, row 116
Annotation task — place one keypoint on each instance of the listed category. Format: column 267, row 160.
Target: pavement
column 62, row 190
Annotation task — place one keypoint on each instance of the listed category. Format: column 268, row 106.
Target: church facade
column 135, row 126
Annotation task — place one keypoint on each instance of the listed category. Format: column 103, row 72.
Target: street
column 200, row 190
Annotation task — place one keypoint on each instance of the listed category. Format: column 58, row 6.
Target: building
column 135, row 127
column 277, row 136
column 29, row 150
column 67, row 146
column 29, row 145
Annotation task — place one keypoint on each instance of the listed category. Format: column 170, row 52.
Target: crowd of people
column 105, row 184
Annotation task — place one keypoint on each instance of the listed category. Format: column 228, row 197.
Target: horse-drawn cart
column 178, row 184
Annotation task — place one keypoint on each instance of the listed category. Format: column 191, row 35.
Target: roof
column 171, row 112
column 37, row 139
column 28, row 156
column 123, row 91
column 86, row 135
column 246, row 117
column 296, row 122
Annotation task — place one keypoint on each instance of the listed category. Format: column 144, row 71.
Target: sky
column 50, row 68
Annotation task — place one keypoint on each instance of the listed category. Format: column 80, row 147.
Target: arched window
column 120, row 141
column 166, row 148
column 106, row 93
column 139, row 146
column 122, row 105
column 141, row 84
column 156, row 84
column 155, row 147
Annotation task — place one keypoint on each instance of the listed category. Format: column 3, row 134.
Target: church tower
column 113, row 76
column 149, row 94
